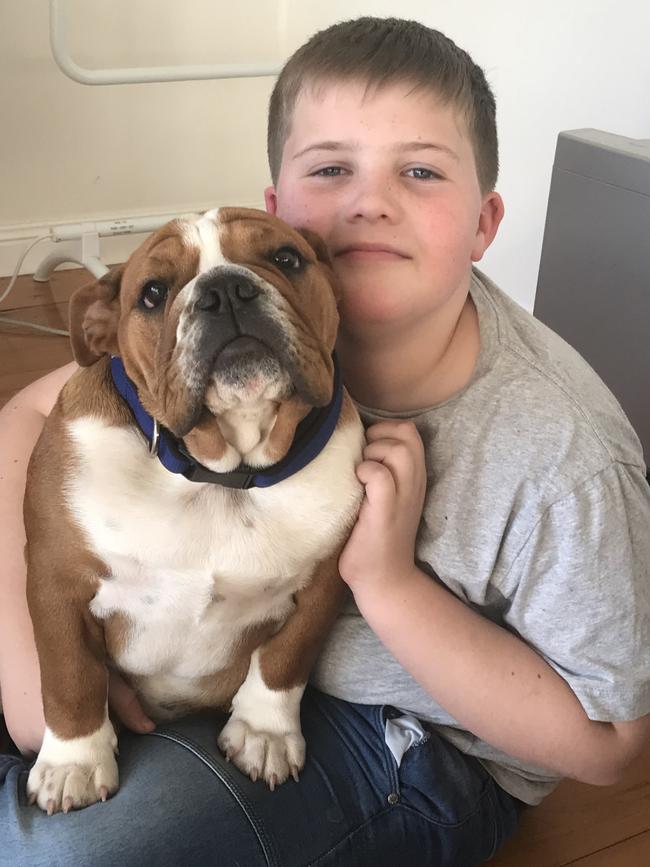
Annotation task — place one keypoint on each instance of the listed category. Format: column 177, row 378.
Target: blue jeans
column 181, row 803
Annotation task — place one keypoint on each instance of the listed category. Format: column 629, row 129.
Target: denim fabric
column 181, row 803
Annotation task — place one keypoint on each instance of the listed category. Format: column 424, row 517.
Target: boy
column 499, row 565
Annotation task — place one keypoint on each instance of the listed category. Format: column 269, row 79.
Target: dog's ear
column 94, row 316
column 322, row 254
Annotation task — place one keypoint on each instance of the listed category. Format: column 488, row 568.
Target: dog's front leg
column 76, row 764
column 263, row 737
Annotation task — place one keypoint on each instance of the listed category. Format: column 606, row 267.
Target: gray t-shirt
column 538, row 516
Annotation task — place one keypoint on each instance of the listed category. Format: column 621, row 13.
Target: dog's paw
column 260, row 754
column 65, row 787
column 74, row 773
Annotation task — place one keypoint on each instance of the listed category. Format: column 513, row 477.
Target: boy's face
column 389, row 181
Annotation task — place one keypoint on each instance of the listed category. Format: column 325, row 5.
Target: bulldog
column 189, row 497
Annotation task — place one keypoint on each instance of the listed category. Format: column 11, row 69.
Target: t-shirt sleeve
column 582, row 597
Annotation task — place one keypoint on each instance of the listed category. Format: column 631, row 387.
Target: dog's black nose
column 219, row 292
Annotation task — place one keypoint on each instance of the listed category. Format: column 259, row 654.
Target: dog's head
column 220, row 321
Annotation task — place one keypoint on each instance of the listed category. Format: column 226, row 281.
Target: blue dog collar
column 311, row 437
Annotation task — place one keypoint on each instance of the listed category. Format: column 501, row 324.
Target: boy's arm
column 484, row 676
column 21, row 422
column 495, row 685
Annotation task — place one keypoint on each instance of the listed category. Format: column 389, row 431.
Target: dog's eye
column 288, row 259
column 153, row 294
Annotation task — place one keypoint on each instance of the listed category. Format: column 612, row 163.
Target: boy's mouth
column 363, row 250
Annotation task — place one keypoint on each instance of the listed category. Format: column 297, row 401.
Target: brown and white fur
column 201, row 595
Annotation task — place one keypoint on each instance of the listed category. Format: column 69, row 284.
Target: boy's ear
column 94, row 316
column 491, row 215
column 271, row 201
column 324, row 259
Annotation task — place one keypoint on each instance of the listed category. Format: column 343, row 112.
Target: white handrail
column 138, row 75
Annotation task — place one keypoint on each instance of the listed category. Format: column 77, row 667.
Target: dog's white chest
column 191, row 565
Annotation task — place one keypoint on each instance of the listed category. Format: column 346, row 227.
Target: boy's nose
column 374, row 201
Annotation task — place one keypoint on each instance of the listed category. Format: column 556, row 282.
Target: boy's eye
column 422, row 174
column 329, row 172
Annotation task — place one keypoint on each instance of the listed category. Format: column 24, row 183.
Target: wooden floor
column 26, row 354
column 579, row 825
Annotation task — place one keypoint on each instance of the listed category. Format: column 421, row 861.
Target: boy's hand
column 381, row 547
column 126, row 706
column 26, row 725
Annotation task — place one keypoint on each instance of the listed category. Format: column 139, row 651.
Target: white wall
column 70, row 152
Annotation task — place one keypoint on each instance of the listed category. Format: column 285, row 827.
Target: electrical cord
column 6, row 320
column 14, row 276
column 23, row 323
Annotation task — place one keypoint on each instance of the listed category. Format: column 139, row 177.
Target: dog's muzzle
column 230, row 305
column 240, row 331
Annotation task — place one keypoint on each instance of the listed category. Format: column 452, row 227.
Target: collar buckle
column 241, row 478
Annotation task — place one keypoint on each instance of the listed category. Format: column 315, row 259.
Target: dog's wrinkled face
column 216, row 313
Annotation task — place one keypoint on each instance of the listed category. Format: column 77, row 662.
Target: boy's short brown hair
column 381, row 51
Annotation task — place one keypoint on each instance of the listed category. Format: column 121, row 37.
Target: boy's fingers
column 388, row 449
column 124, row 701
column 378, row 482
column 400, row 458
column 399, row 430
